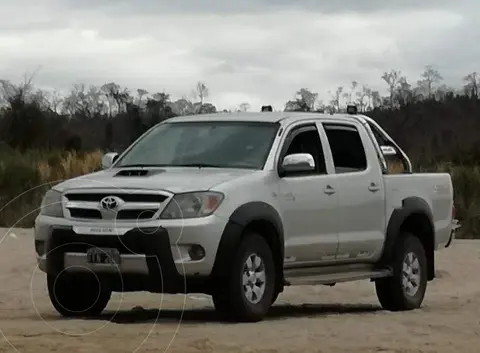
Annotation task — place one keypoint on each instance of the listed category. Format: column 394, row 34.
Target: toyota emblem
column 110, row 202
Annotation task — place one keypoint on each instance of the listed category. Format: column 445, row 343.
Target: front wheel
column 77, row 295
column 249, row 291
column 406, row 289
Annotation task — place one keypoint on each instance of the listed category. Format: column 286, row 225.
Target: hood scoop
column 139, row 172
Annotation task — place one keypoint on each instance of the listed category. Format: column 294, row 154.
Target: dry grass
column 24, row 178
column 69, row 166
column 466, row 182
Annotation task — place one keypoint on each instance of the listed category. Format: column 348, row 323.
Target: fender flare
column 238, row 220
column 410, row 205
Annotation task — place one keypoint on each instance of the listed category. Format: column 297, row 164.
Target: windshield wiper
column 199, row 165
column 141, row 165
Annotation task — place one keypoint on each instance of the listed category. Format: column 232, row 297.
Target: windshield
column 203, row 144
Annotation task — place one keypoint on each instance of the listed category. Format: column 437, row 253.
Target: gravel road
column 344, row 318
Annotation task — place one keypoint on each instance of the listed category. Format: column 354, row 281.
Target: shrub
column 466, row 182
column 25, row 177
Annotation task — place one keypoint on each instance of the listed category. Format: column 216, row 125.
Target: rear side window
column 347, row 148
column 380, row 140
column 395, row 164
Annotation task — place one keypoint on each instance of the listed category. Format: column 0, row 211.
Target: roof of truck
column 267, row 117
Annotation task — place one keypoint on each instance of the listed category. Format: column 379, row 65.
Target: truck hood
column 175, row 180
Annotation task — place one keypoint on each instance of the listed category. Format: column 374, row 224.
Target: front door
column 309, row 203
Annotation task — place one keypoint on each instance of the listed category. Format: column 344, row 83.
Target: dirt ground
column 344, row 318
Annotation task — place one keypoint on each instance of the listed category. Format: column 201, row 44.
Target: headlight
column 52, row 204
column 192, row 205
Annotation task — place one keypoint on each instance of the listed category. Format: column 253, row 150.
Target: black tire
column 220, row 301
column 390, row 291
column 275, row 297
column 230, row 299
column 75, row 295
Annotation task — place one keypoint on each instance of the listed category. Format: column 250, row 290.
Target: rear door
column 308, row 201
column 361, row 192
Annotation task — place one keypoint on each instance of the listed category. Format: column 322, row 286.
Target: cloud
column 252, row 6
column 261, row 54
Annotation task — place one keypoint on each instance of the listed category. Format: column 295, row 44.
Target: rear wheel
column 405, row 290
column 249, row 291
column 77, row 295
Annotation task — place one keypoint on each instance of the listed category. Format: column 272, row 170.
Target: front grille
column 97, row 197
column 85, row 213
column 131, row 206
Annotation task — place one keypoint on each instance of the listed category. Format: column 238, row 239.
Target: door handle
column 373, row 187
column 329, row 190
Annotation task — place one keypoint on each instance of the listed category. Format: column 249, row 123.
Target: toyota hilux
column 241, row 205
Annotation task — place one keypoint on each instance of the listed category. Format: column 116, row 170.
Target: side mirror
column 388, row 151
column 108, row 159
column 297, row 163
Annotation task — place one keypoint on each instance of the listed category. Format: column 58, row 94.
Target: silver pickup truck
column 240, row 205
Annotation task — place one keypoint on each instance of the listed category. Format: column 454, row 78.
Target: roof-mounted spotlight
column 352, row 109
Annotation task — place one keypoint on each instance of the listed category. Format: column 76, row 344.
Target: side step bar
column 338, row 277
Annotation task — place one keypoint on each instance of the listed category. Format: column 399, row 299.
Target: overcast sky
column 259, row 51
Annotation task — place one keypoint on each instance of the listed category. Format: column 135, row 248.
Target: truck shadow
column 277, row 312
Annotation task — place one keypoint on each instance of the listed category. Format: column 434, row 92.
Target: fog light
column 196, row 252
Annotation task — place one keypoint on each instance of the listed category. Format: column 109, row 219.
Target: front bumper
column 169, row 242
column 147, row 262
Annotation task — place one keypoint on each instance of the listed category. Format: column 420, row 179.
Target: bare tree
column 87, row 103
column 443, row 91
column 244, row 107
column 109, row 89
column 141, row 93
column 430, row 76
column 8, row 91
column 201, row 92
column 115, row 93
column 42, row 98
column 376, row 99
column 56, row 100
column 308, row 97
column 350, row 94
column 162, row 98
column 363, row 98
column 321, row 107
column 335, row 101
column 472, row 80
column 20, row 92
column 404, row 92
column 392, row 79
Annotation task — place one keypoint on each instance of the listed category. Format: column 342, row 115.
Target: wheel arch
column 258, row 217
column 414, row 217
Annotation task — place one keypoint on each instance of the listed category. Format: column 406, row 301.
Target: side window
column 306, row 140
column 347, row 148
column 380, row 140
column 395, row 164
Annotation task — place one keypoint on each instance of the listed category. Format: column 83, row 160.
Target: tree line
column 432, row 121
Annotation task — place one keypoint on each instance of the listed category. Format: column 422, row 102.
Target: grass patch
column 25, row 177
